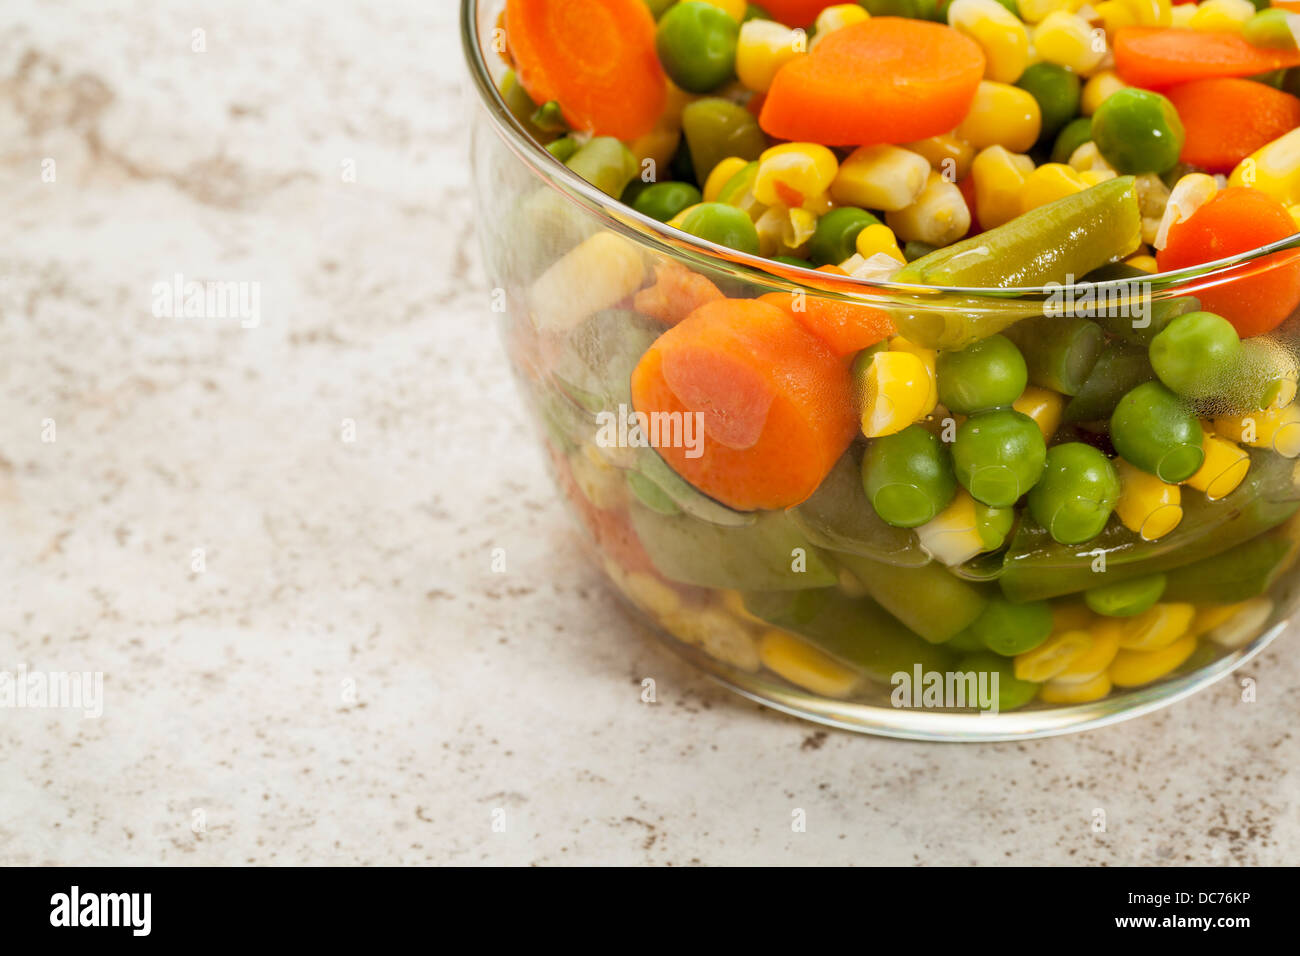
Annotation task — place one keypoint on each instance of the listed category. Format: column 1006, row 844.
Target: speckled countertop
column 343, row 679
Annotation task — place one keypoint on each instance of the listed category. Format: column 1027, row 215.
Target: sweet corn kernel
column 1072, row 616
column 947, row 155
column 720, row 175
column 732, row 8
column 1222, row 15
column 1181, row 16
column 1241, row 626
column 1273, row 168
column 734, row 603
column 837, row 16
column 1224, row 468
column 716, row 633
column 1189, row 194
column 894, row 392
column 1101, row 651
column 792, row 172
column 1098, row 88
column 938, row 216
column 1115, row 14
column 1035, row 11
column 1150, row 13
column 1044, row 406
column 1135, row 668
column 1070, row 41
column 1052, row 656
column 784, row 231
column 652, row 594
column 999, row 33
column 763, row 47
column 880, row 177
column 1002, row 115
column 1048, row 183
column 929, row 358
column 1088, row 158
column 999, row 175
column 1275, row 428
column 878, row 238
column 1143, row 262
column 1065, row 692
column 877, row 268
column 952, row 536
column 1147, row 506
column 1156, row 627
column 1092, row 177
column 593, row 275
column 806, row 666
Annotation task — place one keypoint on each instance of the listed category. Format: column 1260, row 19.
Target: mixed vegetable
column 1081, row 497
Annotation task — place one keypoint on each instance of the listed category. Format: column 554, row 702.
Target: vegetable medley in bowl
column 926, row 367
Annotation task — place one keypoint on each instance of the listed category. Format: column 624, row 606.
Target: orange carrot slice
column 1227, row 119
column 595, row 57
column 776, row 403
column 1158, row 57
column 677, row 293
column 796, row 13
column 1237, row 220
column 884, row 80
column 846, row 327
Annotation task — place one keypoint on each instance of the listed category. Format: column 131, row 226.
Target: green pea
column 696, row 43
column 912, row 9
column 549, row 119
column 837, row 231
column 1073, row 135
column 659, row 7
column 792, row 261
column 1013, row 692
column 1138, row 131
column 1270, row 28
column 1153, row 429
column 716, row 129
column 989, row 373
column 605, row 163
column 754, row 12
column 1077, row 493
column 663, row 201
column 724, row 225
column 999, row 456
column 908, row 477
column 562, row 148
column 1126, row 598
column 914, row 249
column 1196, row 354
column 1057, row 91
column 993, row 525
column 1009, row 629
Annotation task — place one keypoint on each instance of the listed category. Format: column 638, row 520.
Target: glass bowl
column 816, row 610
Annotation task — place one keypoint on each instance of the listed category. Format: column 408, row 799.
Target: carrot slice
column 776, row 404
column 1158, row 57
column 846, row 327
column 595, row 57
column 677, row 293
column 884, row 80
column 1237, row 220
column 1227, row 119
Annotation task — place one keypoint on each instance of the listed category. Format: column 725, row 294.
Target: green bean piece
column 932, row 603
column 792, row 261
column 651, row 495
column 1155, row 430
column 605, row 163
column 1238, row 574
column 715, row 129
column 659, row 7
column 1077, row 493
column 1135, row 316
column 1121, row 368
column 563, row 148
column 696, row 43
column 1060, row 351
column 1126, row 598
column 914, row 249
column 549, row 119
column 998, row 456
column 912, row 9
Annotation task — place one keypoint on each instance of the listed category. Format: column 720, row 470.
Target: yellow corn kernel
column 1144, row 262
column 1066, row 692
column 784, row 231
column 593, row 275
column 1150, row 13
column 715, row 632
column 880, row 177
column 1242, row 625
column 1274, row 168
column 1101, row 651
column 806, row 666
column 1088, row 158
column 837, row 16
column 894, row 392
column 763, row 47
column 1098, row 88
column 878, row 238
column 734, row 603
column 1052, row 656
column 1181, row 16
column 649, row 592
column 1222, row 15
column 792, row 172
column 946, row 154
column 1092, row 177
column 1044, row 406
column 952, row 536
column 1156, row 627
column 1147, row 506
column 878, row 268
column 719, row 176
column 1048, row 183
column 1035, row 11
column 1275, row 428
column 1135, row 668
column 1072, row 616
column 938, row 216
column 1002, row 115
column 1224, row 468
column 1210, row 616
column 999, row 175
column 999, row 33
column 1070, row 41
column 1114, row 14
column 1189, row 194
column 929, row 358
column 732, row 8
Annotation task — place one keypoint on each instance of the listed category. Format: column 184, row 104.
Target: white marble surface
column 332, row 564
